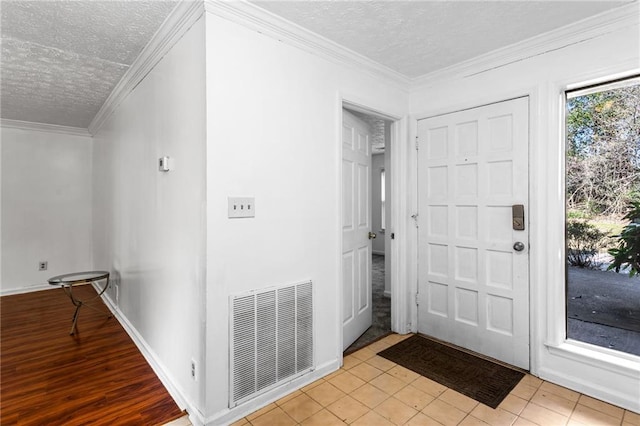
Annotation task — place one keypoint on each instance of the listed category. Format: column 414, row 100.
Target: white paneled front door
column 473, row 286
column 356, row 228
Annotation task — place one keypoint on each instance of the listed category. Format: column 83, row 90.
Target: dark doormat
column 477, row 378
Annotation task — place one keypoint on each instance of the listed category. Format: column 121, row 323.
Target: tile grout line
column 528, row 383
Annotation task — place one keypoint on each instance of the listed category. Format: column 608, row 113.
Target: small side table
column 68, row 281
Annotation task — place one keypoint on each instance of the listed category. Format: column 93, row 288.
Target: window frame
column 568, row 93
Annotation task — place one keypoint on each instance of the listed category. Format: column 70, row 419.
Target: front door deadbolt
column 517, row 215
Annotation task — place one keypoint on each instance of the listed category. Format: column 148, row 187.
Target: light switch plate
column 165, row 164
column 242, row 207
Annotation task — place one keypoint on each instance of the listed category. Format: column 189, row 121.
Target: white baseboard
column 588, row 369
column 176, row 393
column 228, row 416
column 29, row 289
column 387, row 293
column 158, row 368
column 603, row 391
column 381, row 253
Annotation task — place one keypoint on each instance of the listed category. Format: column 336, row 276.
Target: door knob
column 518, row 246
column 372, row 235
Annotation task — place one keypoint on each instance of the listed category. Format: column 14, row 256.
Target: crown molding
column 181, row 18
column 43, row 127
column 255, row 18
column 251, row 16
column 581, row 31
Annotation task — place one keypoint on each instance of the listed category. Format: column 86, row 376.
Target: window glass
column 603, row 215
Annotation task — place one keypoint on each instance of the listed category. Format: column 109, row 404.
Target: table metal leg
column 75, row 319
column 79, row 303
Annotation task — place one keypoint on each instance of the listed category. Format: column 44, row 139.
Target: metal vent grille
column 271, row 339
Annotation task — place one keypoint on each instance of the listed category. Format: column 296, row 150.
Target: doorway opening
column 378, row 210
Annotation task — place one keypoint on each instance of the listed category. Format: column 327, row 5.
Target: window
column 602, row 184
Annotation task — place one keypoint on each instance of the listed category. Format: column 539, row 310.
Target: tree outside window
column 603, row 210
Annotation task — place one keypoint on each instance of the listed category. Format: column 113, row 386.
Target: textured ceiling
column 377, row 126
column 60, row 60
column 417, row 37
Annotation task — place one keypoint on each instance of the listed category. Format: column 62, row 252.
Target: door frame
column 400, row 190
column 522, row 105
column 536, row 257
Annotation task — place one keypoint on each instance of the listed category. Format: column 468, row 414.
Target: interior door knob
column 518, row 246
column 372, row 235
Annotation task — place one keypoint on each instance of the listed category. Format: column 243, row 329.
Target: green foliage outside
column 584, row 241
column 603, row 177
column 603, row 151
column 627, row 254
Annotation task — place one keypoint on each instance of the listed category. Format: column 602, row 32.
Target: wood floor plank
column 97, row 376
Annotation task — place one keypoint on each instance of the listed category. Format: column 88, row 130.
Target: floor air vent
column 271, row 339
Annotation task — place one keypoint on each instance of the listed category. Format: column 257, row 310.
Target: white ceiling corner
column 61, row 59
column 181, row 18
column 624, row 15
column 251, row 15
column 41, row 127
column 69, row 63
column 416, row 38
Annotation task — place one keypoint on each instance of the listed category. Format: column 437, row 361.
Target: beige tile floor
column 370, row 390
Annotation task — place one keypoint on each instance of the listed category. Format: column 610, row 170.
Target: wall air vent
column 271, row 339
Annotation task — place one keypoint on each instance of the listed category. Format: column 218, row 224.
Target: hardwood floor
column 97, row 376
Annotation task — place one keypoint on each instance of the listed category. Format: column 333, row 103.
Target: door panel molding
column 472, row 167
column 356, row 226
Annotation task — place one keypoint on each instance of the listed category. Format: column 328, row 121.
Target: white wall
column 1, row 211
column 46, row 206
column 150, row 226
column 377, row 165
column 263, row 119
column 273, row 132
column 543, row 78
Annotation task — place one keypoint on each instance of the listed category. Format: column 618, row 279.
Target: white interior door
column 473, row 276
column 356, row 226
